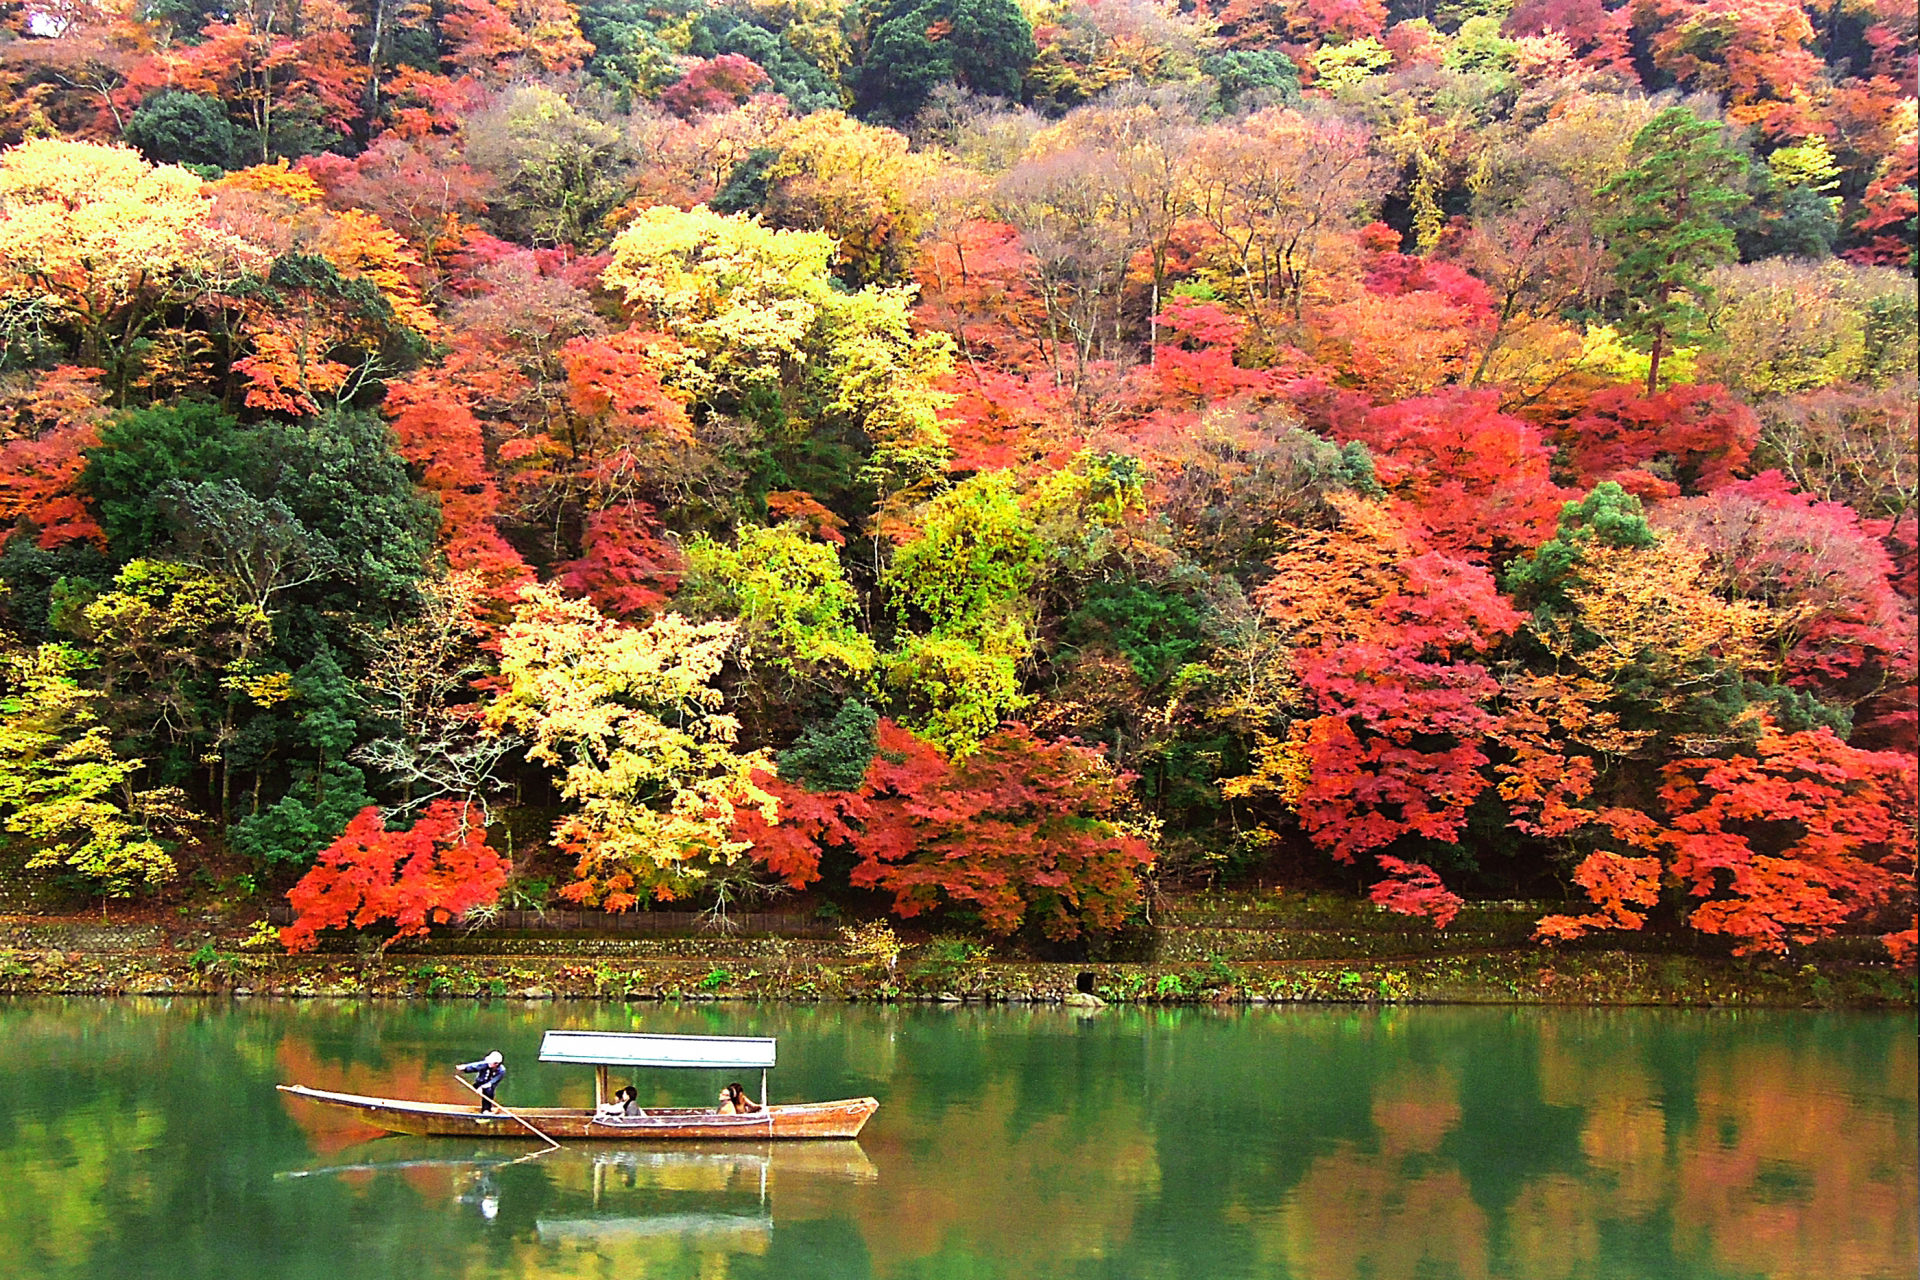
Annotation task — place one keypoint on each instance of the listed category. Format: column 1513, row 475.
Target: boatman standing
column 486, row 1076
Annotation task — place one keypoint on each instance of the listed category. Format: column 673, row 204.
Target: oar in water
column 528, row 1124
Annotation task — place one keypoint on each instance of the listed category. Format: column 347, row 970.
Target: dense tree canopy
column 980, row 455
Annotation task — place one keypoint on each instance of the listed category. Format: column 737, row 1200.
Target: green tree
column 806, row 87
column 1670, row 226
column 1265, row 75
column 918, row 45
column 1607, row 517
column 963, row 594
column 326, row 792
column 173, row 127
column 340, row 479
column 833, row 756
column 1155, row 626
column 296, row 827
column 318, row 516
column 142, row 453
column 308, row 536
column 635, row 50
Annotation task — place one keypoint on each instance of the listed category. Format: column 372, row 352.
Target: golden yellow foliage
column 630, row 717
column 859, row 183
column 273, row 179
column 1650, row 608
column 364, row 249
column 96, row 239
column 753, row 311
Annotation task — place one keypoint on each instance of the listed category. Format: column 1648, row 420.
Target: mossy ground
column 1225, row 948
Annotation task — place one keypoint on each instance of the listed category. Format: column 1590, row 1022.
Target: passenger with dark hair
column 735, row 1102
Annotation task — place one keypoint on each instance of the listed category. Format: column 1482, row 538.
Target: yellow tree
column 791, row 599
column 647, row 756
column 1646, row 613
column 859, row 183
column 179, row 646
column 60, row 781
column 741, row 296
column 755, row 318
column 1639, row 658
column 1641, row 662
column 97, row 247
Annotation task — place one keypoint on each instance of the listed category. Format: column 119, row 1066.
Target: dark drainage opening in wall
column 1083, row 983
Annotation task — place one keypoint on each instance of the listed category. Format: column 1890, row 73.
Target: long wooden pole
column 510, row 1114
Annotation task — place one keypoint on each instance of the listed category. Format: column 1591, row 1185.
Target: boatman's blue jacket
column 486, row 1075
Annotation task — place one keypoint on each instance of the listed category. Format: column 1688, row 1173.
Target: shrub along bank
column 1240, row 949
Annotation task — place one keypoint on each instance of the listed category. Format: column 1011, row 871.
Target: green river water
column 144, row 1138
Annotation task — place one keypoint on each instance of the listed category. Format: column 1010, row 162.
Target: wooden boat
column 842, row 1119
column 604, row 1050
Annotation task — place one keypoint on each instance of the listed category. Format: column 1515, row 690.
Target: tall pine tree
column 1670, row 226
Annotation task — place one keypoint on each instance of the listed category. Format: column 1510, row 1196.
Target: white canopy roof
column 636, row 1049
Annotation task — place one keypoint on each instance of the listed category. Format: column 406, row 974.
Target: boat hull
column 842, row 1119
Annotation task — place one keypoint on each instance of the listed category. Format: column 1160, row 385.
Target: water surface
column 143, row 1138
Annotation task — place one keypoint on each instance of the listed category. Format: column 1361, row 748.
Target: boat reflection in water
column 618, row 1203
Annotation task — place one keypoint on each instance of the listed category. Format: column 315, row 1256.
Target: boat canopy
column 637, row 1049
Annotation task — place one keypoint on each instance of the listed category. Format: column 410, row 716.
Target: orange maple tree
column 431, row 873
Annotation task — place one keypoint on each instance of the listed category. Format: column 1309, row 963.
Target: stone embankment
column 1223, row 951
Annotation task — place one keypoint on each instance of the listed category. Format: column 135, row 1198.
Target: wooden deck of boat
column 840, row 1119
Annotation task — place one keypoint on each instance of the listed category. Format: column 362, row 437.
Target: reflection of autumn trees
column 297, row 1062
column 1299, row 1144
column 56, row 1206
column 1414, row 1110
column 1787, row 1156
column 1359, row 1215
column 1797, row 1167
column 1623, row 1131
column 1777, row 1148
column 1390, row 1211
column 1032, row 1149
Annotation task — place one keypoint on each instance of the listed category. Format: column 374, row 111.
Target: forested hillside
column 992, row 456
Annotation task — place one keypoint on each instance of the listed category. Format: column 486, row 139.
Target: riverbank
column 1228, row 949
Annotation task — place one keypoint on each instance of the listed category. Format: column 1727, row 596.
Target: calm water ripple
column 144, row 1138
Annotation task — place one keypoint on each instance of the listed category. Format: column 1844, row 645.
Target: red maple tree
column 1687, row 439
column 42, row 452
column 1021, row 830
column 1387, row 639
column 1475, row 480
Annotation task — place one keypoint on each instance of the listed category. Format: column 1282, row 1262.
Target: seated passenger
column 735, row 1102
column 625, row 1102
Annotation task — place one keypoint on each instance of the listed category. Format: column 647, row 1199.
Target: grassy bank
column 1232, row 948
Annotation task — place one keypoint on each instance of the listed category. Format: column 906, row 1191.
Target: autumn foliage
column 431, row 873
column 1389, row 661
column 1773, row 847
column 1443, row 455
column 1020, row 831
